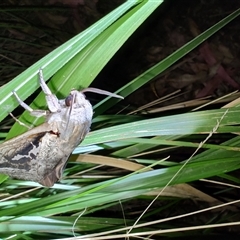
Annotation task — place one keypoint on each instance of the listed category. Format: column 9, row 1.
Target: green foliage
column 50, row 213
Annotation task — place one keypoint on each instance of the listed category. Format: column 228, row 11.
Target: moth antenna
column 103, row 92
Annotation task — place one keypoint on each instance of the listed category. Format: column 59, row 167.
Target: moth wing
column 55, row 174
column 22, row 143
column 19, row 155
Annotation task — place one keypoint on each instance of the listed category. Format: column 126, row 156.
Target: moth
column 41, row 153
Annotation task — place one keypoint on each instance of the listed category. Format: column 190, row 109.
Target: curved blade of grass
column 163, row 65
column 219, row 153
column 123, row 188
column 157, row 142
column 140, row 147
column 59, row 224
column 26, row 83
column 85, row 66
column 181, row 124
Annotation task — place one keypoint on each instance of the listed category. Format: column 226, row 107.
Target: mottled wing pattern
column 54, row 174
column 18, row 155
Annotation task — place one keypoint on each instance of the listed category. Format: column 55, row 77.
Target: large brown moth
column 41, row 153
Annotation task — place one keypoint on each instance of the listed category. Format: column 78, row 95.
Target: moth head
column 76, row 96
column 69, row 100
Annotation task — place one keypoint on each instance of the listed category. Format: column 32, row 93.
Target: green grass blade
column 26, row 83
column 77, row 72
column 123, row 188
column 163, row 65
column 181, row 124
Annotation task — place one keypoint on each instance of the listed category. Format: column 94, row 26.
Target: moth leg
column 51, row 99
column 23, row 104
column 18, row 121
column 36, row 113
